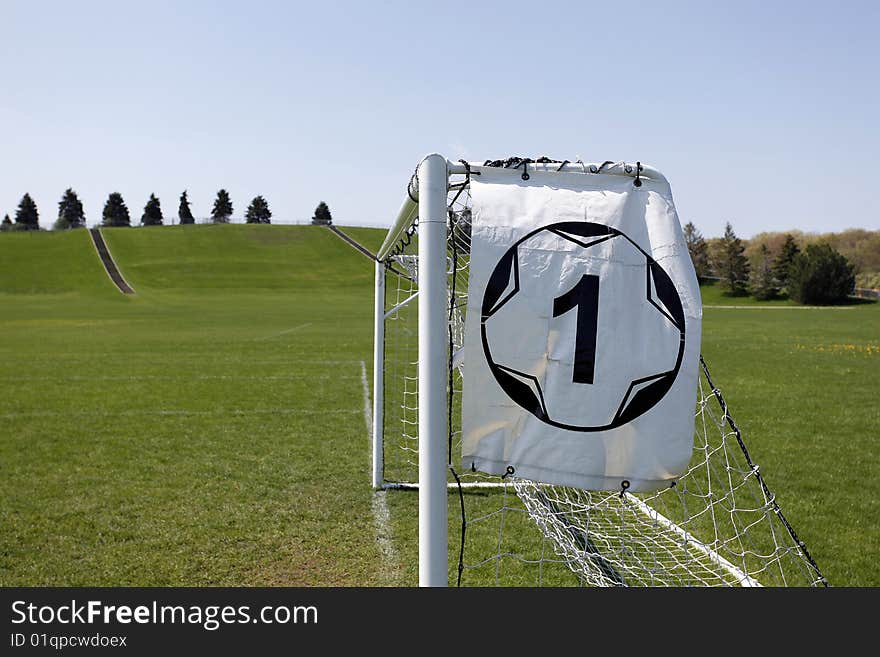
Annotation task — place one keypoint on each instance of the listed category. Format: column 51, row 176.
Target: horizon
column 206, row 220
column 757, row 115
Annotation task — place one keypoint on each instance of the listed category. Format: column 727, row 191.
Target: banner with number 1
column 582, row 334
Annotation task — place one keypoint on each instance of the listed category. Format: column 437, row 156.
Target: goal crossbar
column 409, row 207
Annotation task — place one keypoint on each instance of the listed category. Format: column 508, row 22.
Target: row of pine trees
column 817, row 274
column 115, row 213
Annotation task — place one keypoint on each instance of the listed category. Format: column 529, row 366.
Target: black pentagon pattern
column 511, row 381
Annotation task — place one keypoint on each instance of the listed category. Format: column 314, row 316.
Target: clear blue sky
column 761, row 113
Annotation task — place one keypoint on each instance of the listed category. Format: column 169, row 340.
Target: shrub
column 820, row 275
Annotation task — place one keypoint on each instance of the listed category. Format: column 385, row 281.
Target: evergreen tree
column 70, row 211
column 222, row 208
column 258, row 211
column 6, row 224
column 820, row 274
column 322, row 215
column 782, row 264
column 762, row 281
column 183, row 212
column 26, row 216
column 731, row 264
column 152, row 215
column 115, row 211
column 698, row 249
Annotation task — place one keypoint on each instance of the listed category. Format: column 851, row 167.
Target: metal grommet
column 508, row 472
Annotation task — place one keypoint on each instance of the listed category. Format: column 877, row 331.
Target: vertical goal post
column 427, row 201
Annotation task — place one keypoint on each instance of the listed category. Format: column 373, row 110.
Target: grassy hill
column 235, row 258
column 51, row 263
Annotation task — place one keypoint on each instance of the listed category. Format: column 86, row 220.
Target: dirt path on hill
column 107, row 260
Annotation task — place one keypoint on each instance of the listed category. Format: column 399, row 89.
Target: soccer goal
column 717, row 524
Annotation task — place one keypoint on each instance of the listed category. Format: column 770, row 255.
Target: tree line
column 116, row 213
column 810, row 273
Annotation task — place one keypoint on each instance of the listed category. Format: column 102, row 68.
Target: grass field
column 209, row 430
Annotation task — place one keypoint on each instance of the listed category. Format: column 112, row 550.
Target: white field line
column 285, row 332
column 199, row 377
column 381, row 514
column 184, row 413
column 76, row 356
column 780, row 307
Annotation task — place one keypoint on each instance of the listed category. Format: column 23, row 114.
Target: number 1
column 585, row 297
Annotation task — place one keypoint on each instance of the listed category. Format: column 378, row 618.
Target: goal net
column 718, row 525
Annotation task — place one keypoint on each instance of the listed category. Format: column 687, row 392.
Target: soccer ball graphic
column 581, row 327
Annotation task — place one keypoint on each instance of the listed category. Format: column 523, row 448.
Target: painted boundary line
column 107, row 260
column 284, row 332
column 780, row 307
column 381, row 514
column 236, row 412
column 355, row 245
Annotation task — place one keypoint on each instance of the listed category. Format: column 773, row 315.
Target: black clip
column 624, row 485
column 638, row 181
column 518, row 162
column 467, row 168
column 508, row 472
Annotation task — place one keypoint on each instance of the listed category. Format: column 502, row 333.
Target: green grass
column 713, row 295
column 802, row 385
column 290, row 260
column 209, row 429
column 50, row 262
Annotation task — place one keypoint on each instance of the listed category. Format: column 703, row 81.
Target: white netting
column 719, row 525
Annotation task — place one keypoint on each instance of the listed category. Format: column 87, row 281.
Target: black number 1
column 585, row 297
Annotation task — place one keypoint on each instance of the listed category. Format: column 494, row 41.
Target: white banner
column 582, row 341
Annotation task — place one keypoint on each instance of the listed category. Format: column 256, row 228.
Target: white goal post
column 722, row 526
column 426, row 200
